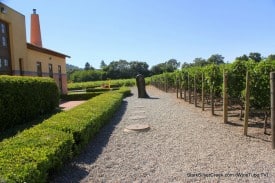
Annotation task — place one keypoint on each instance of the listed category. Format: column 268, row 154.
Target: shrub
column 31, row 155
column 86, row 119
column 22, row 99
column 80, row 96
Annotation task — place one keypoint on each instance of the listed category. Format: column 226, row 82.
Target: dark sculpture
column 141, row 86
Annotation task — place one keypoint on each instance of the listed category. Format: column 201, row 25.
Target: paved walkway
column 67, row 105
column 182, row 145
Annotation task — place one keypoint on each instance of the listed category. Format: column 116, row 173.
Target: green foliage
column 255, row 56
column 80, row 96
column 236, row 79
column 86, row 119
column 168, row 66
column 100, row 89
column 213, row 78
column 123, row 69
column 87, row 75
column 22, row 99
column 260, row 84
column 216, row 59
column 31, row 155
column 94, row 84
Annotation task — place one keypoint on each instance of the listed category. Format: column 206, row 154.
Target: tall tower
column 35, row 30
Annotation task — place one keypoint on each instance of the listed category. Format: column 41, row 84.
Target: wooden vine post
column 189, row 89
column 225, row 97
column 195, row 91
column 166, row 84
column 177, row 87
column 212, row 100
column 247, row 96
column 202, row 91
column 180, row 85
column 185, row 95
column 272, row 96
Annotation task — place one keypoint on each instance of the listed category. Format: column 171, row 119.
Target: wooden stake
column 212, row 100
column 225, row 98
column 177, row 87
column 272, row 96
column 202, row 91
column 189, row 89
column 247, row 96
column 180, row 84
column 195, row 91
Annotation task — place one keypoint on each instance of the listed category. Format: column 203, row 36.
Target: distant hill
column 70, row 67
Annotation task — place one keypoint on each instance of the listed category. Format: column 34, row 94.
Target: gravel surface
column 182, row 145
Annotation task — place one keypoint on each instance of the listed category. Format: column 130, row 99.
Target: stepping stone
column 139, row 106
column 137, row 117
column 137, row 128
column 138, row 112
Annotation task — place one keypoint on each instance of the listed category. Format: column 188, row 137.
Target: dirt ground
column 255, row 122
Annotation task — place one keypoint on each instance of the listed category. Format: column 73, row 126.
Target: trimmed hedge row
column 22, row 99
column 100, row 89
column 33, row 154
column 80, row 96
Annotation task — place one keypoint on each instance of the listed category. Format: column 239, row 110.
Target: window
column 3, row 28
column 51, row 70
column 0, row 63
column 39, row 69
column 6, row 63
column 59, row 69
column 4, row 41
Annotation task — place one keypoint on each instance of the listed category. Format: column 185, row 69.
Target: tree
column 271, row 57
column 87, row 66
column 118, row 70
column 255, row 56
column 172, row 65
column 243, row 58
column 200, row 62
column 137, row 67
column 216, row 59
column 102, row 64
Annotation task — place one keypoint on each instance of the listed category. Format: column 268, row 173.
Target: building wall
column 34, row 56
column 28, row 57
column 17, row 35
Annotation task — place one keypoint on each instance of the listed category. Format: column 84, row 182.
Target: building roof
column 47, row 51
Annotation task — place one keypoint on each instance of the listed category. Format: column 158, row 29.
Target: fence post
column 225, row 97
column 189, row 89
column 195, row 91
column 180, row 85
column 247, row 96
column 202, row 91
column 212, row 100
column 177, row 87
column 272, row 96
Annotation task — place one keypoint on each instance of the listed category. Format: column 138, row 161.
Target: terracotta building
column 17, row 57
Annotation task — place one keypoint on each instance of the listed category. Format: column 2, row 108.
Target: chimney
column 35, row 30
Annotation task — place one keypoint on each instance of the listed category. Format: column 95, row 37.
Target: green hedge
column 100, row 89
column 86, row 119
column 22, row 99
column 80, row 96
column 33, row 154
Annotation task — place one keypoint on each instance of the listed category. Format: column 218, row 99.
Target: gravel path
column 183, row 145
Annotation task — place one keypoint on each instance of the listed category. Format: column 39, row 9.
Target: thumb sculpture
column 141, row 86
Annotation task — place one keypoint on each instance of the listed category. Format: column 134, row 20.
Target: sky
column 152, row 31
